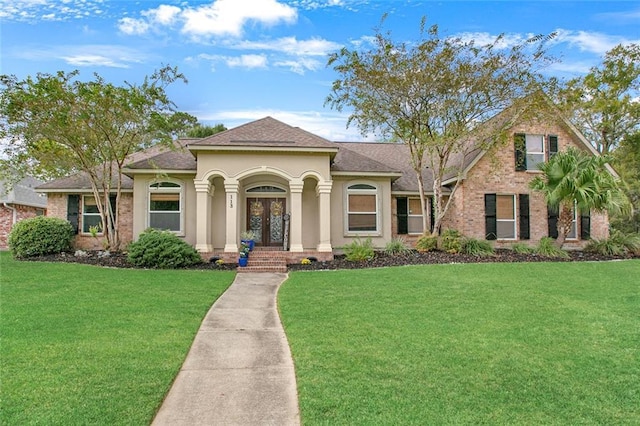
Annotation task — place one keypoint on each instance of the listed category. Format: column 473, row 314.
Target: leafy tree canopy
column 431, row 94
column 627, row 163
column 54, row 125
column 605, row 103
column 202, row 131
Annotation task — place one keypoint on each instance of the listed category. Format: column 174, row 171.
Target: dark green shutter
column 523, row 207
column 552, row 220
column 585, row 226
column 432, row 209
column 490, row 224
column 520, row 146
column 553, row 145
column 73, row 210
column 112, row 201
column 403, row 215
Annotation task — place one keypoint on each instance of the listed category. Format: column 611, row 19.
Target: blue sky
column 246, row 59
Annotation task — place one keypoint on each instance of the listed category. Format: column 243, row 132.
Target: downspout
column 15, row 213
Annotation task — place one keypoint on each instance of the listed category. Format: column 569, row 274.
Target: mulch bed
column 119, row 260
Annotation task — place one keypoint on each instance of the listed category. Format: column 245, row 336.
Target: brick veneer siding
column 57, row 207
column 495, row 174
column 7, row 216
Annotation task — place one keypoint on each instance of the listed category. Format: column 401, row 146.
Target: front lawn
column 90, row 345
column 543, row 343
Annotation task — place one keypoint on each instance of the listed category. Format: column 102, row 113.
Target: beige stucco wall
column 339, row 234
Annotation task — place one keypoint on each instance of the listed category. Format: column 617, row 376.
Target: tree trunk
column 565, row 219
column 423, row 204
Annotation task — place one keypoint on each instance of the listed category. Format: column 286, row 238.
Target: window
column 414, row 219
column 573, row 233
column 505, row 217
column 535, row 151
column 362, row 208
column 90, row 214
column 165, row 206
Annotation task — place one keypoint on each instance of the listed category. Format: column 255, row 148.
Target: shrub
column 163, row 250
column 396, row 246
column 427, row 242
column 359, row 250
column 618, row 244
column 39, row 236
column 522, row 248
column 476, row 247
column 451, row 241
column 547, row 248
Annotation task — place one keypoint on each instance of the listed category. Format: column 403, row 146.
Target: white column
column 231, row 192
column 323, row 191
column 295, row 190
column 204, row 192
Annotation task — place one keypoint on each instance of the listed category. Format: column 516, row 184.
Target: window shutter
column 553, row 145
column 523, row 207
column 585, row 226
column 432, row 216
column 552, row 220
column 519, row 142
column 112, row 201
column 491, row 228
column 403, row 216
column 73, row 210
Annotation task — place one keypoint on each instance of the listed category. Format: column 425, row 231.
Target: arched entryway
column 266, row 214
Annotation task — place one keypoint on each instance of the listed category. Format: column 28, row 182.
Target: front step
column 265, row 260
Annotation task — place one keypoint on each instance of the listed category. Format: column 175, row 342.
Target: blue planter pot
column 249, row 243
column 243, row 261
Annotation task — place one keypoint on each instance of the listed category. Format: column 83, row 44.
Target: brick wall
column 57, row 207
column 495, row 174
column 7, row 217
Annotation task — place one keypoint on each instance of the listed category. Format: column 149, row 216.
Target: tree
column 573, row 179
column 57, row 124
column 627, row 163
column 432, row 95
column 202, row 131
column 605, row 103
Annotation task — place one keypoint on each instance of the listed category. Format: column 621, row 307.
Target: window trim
column 180, row 190
column 375, row 190
column 514, row 220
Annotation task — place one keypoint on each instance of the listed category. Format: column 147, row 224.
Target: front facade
column 17, row 202
column 309, row 196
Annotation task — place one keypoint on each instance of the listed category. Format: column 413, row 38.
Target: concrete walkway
column 239, row 369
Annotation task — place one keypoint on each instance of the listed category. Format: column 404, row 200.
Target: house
column 18, row 202
column 296, row 189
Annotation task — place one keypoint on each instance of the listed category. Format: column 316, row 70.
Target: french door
column 265, row 217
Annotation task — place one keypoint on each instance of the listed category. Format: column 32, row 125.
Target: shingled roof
column 265, row 133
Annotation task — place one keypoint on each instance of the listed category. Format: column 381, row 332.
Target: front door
column 265, row 219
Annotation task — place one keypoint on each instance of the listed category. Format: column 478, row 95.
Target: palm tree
column 574, row 179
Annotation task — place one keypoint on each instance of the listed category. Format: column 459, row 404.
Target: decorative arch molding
column 312, row 174
column 213, row 174
column 261, row 170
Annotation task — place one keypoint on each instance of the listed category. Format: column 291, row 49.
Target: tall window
column 573, row 233
column 505, row 217
column 414, row 218
column 535, row 151
column 90, row 214
column 165, row 206
column 362, row 208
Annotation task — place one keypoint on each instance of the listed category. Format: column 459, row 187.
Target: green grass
column 543, row 343
column 89, row 345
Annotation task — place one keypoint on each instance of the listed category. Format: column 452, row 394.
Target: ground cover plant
column 89, row 345
column 494, row 343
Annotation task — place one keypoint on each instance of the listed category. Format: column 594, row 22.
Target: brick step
column 263, row 268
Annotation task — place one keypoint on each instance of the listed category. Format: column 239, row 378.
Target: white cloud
column 290, row 45
column 113, row 56
column 242, row 61
column 299, row 66
column 219, row 18
column 38, row 10
column 597, row 43
column 506, row 41
column 329, row 125
column 131, row 26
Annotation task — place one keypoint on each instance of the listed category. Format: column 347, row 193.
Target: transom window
column 165, row 206
column 266, row 188
column 506, row 217
column 535, row 151
column 362, row 208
